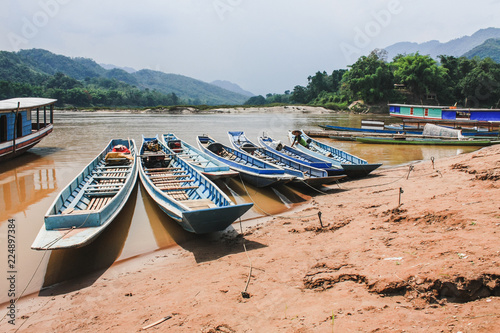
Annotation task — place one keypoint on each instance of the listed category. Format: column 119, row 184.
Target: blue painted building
column 443, row 112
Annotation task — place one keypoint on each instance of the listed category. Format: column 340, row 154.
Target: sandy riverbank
column 234, row 110
column 430, row 265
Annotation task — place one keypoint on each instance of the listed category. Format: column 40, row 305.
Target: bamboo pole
column 15, row 128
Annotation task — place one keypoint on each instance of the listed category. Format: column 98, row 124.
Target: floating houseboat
column 23, row 123
column 447, row 115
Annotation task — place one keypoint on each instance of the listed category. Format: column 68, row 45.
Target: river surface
column 30, row 183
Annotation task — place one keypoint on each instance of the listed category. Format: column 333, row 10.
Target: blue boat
column 252, row 170
column 353, row 166
column 299, row 156
column 183, row 192
column 85, row 207
column 207, row 165
column 303, row 173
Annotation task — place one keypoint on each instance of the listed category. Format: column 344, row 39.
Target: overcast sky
column 263, row 46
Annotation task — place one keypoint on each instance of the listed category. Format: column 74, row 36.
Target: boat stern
column 212, row 219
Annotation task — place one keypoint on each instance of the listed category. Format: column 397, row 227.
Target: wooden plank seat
column 110, row 177
column 160, row 182
column 178, row 195
column 111, row 173
column 96, row 203
column 199, row 204
column 166, row 175
column 116, row 167
column 150, row 170
column 91, row 194
column 101, row 186
column 153, row 154
column 176, row 188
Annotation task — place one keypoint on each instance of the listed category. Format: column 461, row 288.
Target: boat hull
column 210, row 167
column 257, row 173
column 433, row 142
column 66, row 227
column 204, row 208
column 7, row 150
column 303, row 173
column 304, row 158
column 354, row 167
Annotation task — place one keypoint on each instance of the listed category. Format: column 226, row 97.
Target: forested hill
column 42, row 73
column 489, row 49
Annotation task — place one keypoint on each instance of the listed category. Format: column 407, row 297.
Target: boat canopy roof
column 25, row 103
column 421, row 106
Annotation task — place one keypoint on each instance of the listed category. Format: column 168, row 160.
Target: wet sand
column 430, row 264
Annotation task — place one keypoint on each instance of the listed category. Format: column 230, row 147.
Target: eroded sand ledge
column 430, row 265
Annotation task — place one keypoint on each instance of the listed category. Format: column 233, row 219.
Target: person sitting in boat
column 277, row 145
column 299, row 139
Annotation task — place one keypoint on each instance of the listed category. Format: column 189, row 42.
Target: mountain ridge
column 37, row 65
column 455, row 47
column 232, row 87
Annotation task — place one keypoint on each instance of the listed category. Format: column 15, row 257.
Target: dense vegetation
column 413, row 78
column 82, row 82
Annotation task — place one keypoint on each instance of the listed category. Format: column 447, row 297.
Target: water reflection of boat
column 182, row 192
column 67, row 264
column 18, row 132
column 92, row 200
column 25, row 185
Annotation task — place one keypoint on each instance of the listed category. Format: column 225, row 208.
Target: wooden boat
column 368, row 130
column 410, row 129
column 426, row 141
column 395, row 129
column 183, row 192
column 303, row 173
column 19, row 131
column 300, row 156
column 92, row 200
column 252, row 170
column 207, row 165
column 353, row 166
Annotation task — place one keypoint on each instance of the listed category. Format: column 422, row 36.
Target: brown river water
column 30, row 183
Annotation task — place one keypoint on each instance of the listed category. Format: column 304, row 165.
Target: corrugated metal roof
column 25, row 103
column 420, row 106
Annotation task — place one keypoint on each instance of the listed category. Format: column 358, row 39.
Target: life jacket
column 175, row 145
column 121, row 149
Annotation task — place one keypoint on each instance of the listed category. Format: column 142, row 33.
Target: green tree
column 480, row 86
column 256, row 100
column 419, row 73
column 300, row 95
column 370, row 79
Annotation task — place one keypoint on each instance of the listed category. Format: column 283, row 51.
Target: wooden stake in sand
column 157, row 322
